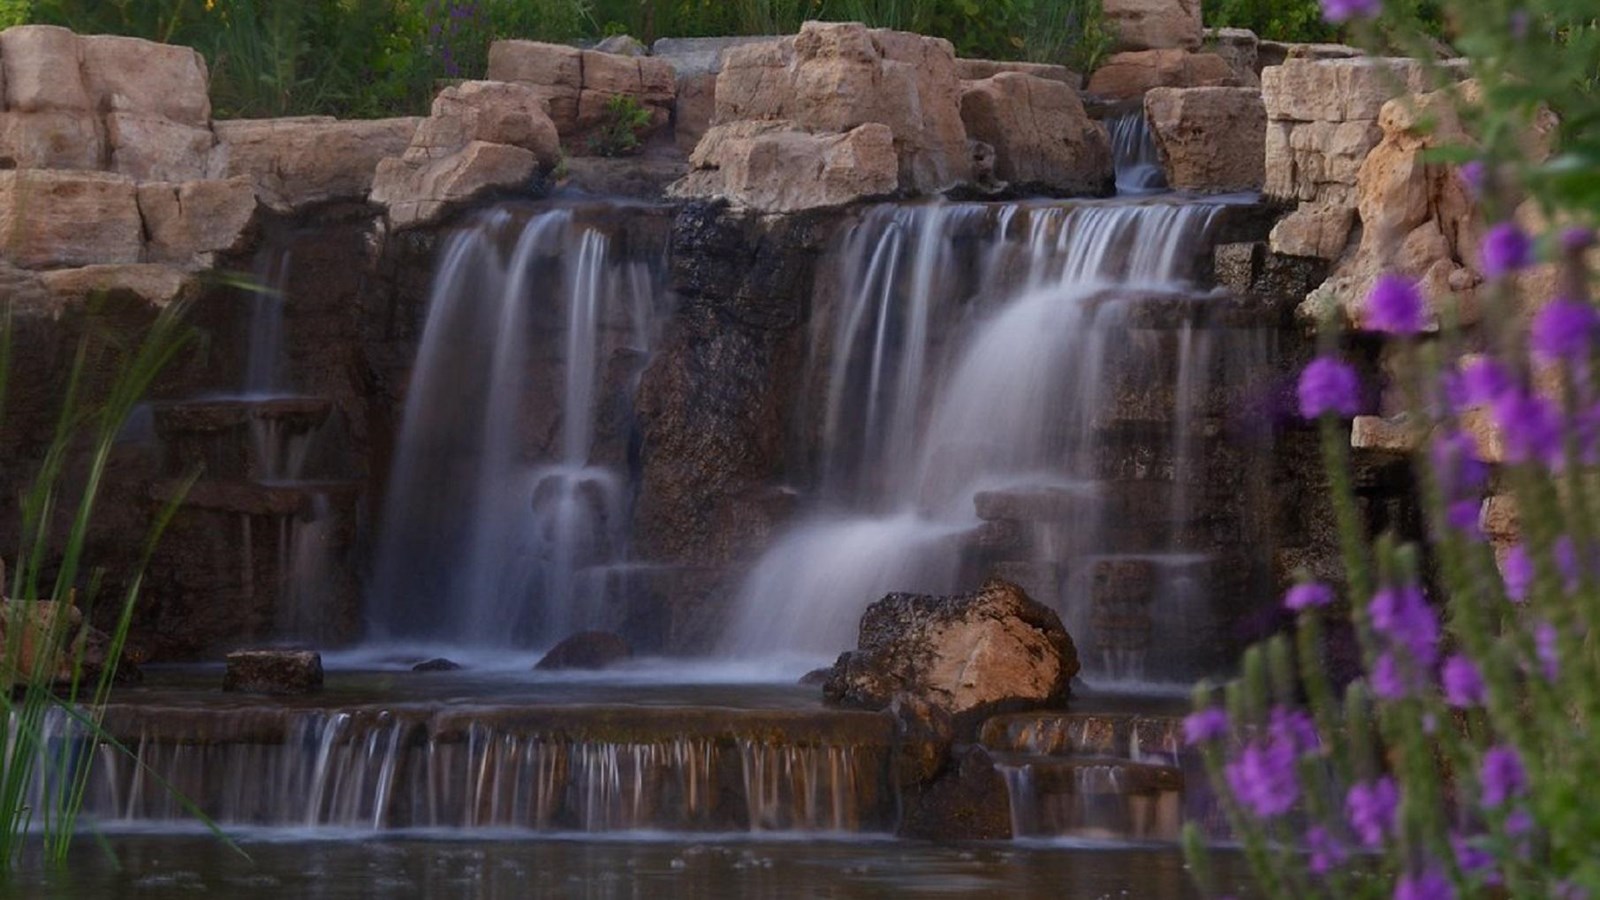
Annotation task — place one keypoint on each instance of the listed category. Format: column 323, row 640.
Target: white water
column 1139, row 169
column 914, row 430
column 484, row 539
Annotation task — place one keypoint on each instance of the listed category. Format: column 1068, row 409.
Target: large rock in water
column 1042, row 137
column 773, row 168
column 273, row 672
column 1210, row 138
column 966, row 654
column 586, row 650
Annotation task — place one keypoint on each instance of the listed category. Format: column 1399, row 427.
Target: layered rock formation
column 1042, row 138
column 1210, row 139
column 580, row 86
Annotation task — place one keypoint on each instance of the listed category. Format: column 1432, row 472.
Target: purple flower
column 1471, row 858
column 1472, row 175
column 1295, row 728
column 1429, row 884
column 1308, row 595
column 1566, row 890
column 1505, row 249
column 1482, row 382
column 1463, row 684
column 1518, row 824
column 1501, row 776
column 1370, row 808
column 1389, row 680
column 1402, row 614
column 1544, row 645
column 1462, row 515
column 1564, row 330
column 1577, row 240
column 1456, row 464
column 1517, row 570
column 1337, row 11
column 1394, row 305
column 1530, row 427
column 1329, row 385
column 1263, row 778
column 1205, row 726
column 1327, row 852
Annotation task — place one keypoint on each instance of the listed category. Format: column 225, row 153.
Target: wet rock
column 273, row 672
column 773, row 167
column 967, row 654
column 50, row 219
column 923, row 736
column 1210, row 138
column 1125, row 76
column 586, row 650
column 1154, row 24
column 832, row 78
column 816, row 677
column 968, row 803
column 438, row 664
column 1042, row 138
column 297, row 162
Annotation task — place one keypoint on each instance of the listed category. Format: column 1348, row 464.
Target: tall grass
column 43, row 781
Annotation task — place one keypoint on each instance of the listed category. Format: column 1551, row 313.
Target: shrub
column 626, row 119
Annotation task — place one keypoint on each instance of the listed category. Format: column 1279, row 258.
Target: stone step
column 1145, row 739
column 256, row 499
column 240, row 438
column 1092, row 797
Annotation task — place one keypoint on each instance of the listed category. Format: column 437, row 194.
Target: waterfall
column 973, row 360
column 495, row 510
column 264, row 360
column 1134, row 155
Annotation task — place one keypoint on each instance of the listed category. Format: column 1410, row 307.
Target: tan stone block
column 126, row 74
column 52, row 139
column 54, row 219
column 1210, row 139
column 301, row 161
column 533, row 62
column 152, row 148
column 189, row 222
column 43, row 69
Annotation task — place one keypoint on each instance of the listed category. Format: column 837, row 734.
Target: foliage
column 625, row 120
column 1456, row 765
column 1279, row 20
column 42, row 776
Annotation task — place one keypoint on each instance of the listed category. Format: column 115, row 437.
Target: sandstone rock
column 969, row 802
column 43, row 68
column 188, row 223
column 152, row 148
column 835, row 77
column 51, row 219
column 965, row 654
column 1042, row 138
column 1154, row 24
column 695, row 106
column 979, row 69
column 488, row 111
column 774, row 168
column 578, row 85
column 701, row 56
column 52, row 139
column 586, row 650
column 302, row 161
column 1210, row 139
column 42, row 632
column 1125, row 76
column 273, row 672
column 1336, row 90
column 1241, row 49
column 125, row 74
column 417, row 194
column 1303, row 159
column 1320, row 230
column 1384, row 435
column 147, row 283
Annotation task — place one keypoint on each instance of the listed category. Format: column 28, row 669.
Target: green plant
column 44, row 665
column 1072, row 33
column 13, row 12
column 626, row 119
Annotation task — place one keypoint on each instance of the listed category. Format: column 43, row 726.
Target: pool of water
column 283, row 863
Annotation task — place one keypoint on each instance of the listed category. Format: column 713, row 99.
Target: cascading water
column 1138, row 162
column 264, row 359
column 494, row 515
column 922, row 429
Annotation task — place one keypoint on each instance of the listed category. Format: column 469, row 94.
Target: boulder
column 832, row 78
column 1154, row 24
column 1042, row 138
column 131, row 75
column 487, row 111
column 149, row 284
column 41, row 637
column 979, row 69
column 52, row 139
column 273, row 672
column 1321, row 230
column 437, row 664
column 578, row 86
column 418, row 194
column 1336, row 90
column 43, row 69
column 1240, row 48
column 1210, row 139
column 969, row 802
column 1125, row 76
column 774, row 167
column 297, row 162
column 586, row 650
column 1314, row 160
column 53, row 219
column 967, row 654
column 190, row 222
column 153, row 148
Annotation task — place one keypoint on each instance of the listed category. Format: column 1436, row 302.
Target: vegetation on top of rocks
column 384, row 57
column 626, row 118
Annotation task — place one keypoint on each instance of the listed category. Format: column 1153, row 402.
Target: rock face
column 979, row 69
column 965, row 654
column 482, row 135
column 774, row 168
column 1042, row 138
column 297, row 162
column 586, row 650
column 190, row 223
column 52, row 219
column 1154, row 24
column 1210, row 139
column 578, row 85
column 1241, row 49
column 1125, row 76
column 273, row 672
column 836, row 77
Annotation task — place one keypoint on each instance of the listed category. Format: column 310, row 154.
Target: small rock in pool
column 437, row 664
column 587, row 650
column 817, row 677
column 273, row 672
